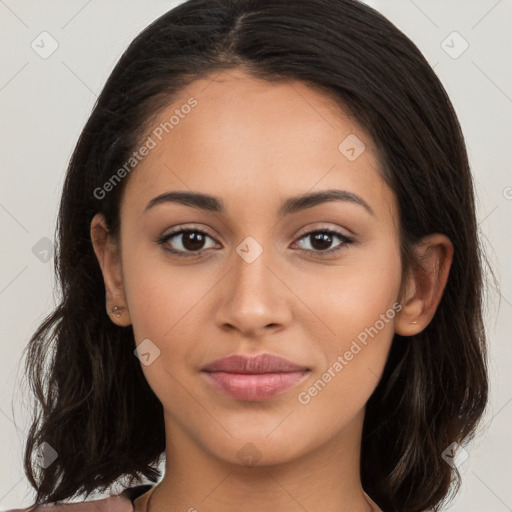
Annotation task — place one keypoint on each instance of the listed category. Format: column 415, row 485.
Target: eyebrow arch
column 289, row 206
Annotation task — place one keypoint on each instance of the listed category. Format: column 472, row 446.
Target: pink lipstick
column 254, row 378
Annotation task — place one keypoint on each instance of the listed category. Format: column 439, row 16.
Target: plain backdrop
column 46, row 99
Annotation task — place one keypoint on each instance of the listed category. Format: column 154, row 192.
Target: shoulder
column 122, row 502
column 118, row 503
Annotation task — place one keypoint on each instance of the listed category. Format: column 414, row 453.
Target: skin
column 253, row 144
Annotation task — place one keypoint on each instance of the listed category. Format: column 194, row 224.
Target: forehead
column 246, row 138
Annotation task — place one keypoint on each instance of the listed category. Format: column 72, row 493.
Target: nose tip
column 253, row 299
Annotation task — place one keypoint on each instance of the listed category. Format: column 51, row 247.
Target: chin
column 257, row 449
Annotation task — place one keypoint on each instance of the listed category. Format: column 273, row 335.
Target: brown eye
column 193, row 240
column 321, row 240
column 187, row 242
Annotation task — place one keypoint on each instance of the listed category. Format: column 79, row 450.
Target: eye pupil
column 192, row 240
column 324, row 239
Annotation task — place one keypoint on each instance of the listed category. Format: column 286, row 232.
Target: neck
column 324, row 478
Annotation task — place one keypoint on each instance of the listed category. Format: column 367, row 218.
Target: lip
column 262, row 363
column 254, row 378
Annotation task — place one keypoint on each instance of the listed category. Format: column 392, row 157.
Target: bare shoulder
column 118, row 503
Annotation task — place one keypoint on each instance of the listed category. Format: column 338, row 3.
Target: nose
column 253, row 299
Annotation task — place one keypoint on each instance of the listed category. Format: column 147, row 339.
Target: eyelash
column 316, row 254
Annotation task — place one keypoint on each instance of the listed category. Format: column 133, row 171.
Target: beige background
column 45, row 103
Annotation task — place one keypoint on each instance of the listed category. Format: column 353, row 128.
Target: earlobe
column 108, row 256
column 425, row 284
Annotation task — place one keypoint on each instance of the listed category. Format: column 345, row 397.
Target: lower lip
column 254, row 387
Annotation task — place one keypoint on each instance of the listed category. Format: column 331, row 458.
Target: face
column 316, row 283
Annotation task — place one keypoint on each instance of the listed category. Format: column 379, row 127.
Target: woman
column 274, row 205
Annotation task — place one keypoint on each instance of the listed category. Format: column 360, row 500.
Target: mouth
column 254, row 378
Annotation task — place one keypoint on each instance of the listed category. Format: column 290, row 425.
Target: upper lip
column 262, row 363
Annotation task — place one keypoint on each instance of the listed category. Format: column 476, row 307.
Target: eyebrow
column 291, row 205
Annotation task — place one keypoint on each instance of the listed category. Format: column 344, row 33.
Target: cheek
column 166, row 305
column 354, row 359
column 351, row 297
column 357, row 304
column 161, row 294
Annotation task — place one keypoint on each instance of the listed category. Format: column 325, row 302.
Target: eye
column 189, row 241
column 322, row 239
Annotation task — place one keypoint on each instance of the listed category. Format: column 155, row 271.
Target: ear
column 425, row 284
column 108, row 253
